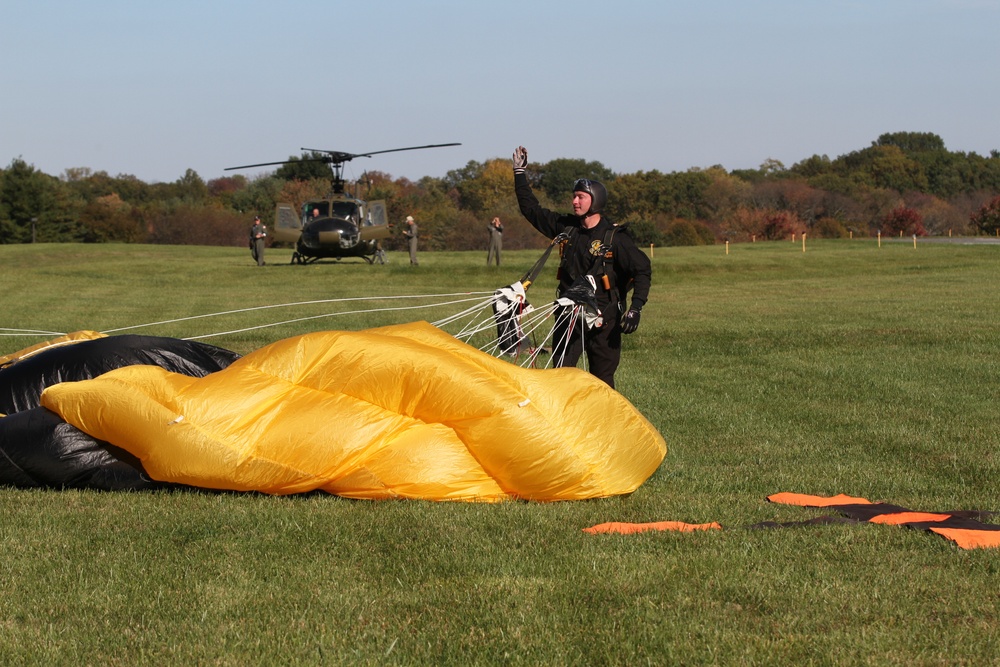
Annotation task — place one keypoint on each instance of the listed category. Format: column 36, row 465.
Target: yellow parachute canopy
column 403, row 411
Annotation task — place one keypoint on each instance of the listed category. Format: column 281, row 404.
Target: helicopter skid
column 299, row 258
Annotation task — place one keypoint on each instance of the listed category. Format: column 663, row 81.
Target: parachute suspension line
column 535, row 323
column 516, row 323
column 30, row 332
column 488, row 322
column 316, row 317
column 473, row 326
column 496, row 345
column 485, row 322
column 571, row 316
column 564, row 320
column 482, row 317
column 471, row 310
column 288, row 305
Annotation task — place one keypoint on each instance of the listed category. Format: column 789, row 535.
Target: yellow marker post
column 880, row 239
column 803, row 241
column 727, row 247
column 914, row 241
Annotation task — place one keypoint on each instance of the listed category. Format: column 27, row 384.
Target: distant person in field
column 597, row 247
column 411, row 234
column 496, row 241
column 258, row 235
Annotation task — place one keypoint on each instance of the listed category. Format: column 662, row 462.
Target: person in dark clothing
column 495, row 229
column 257, row 235
column 597, row 247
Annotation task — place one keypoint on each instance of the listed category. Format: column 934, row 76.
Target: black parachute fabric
column 21, row 383
column 37, row 448
column 583, row 292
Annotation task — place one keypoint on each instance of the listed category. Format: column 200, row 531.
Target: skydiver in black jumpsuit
column 589, row 233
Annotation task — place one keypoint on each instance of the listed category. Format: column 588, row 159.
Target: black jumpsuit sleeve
column 547, row 222
column 634, row 265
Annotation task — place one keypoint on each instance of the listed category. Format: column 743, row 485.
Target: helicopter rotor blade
column 341, row 156
column 338, row 158
column 271, row 164
column 411, row 148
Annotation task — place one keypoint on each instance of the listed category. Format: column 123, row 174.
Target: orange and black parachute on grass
column 963, row 527
column 966, row 528
column 405, row 411
column 38, row 448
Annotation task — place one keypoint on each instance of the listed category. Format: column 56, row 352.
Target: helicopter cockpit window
column 315, row 209
column 346, row 210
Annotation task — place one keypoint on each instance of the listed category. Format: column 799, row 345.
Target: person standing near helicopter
column 594, row 246
column 496, row 241
column 257, row 235
column 411, row 238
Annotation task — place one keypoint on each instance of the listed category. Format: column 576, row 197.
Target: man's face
column 581, row 203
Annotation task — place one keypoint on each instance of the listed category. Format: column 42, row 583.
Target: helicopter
column 341, row 225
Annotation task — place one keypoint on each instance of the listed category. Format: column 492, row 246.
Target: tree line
column 903, row 183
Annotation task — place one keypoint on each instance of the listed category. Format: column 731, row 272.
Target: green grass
column 845, row 369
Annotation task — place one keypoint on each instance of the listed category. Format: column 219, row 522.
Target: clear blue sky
column 154, row 88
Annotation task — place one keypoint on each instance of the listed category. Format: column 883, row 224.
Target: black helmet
column 598, row 194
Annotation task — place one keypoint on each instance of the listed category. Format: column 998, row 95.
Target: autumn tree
column 108, row 218
column 791, row 194
column 724, row 192
column 190, row 188
column 223, row 189
column 686, row 233
column 486, row 187
column 676, row 195
column 829, row 228
column 890, row 168
column 903, row 220
column 987, row 218
column 184, row 224
column 938, row 216
column 258, row 197
column 817, row 165
column 298, row 193
column 557, row 177
column 911, row 142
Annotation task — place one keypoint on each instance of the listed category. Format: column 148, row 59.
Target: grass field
column 844, row 369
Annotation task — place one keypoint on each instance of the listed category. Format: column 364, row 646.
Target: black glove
column 630, row 322
column 520, row 159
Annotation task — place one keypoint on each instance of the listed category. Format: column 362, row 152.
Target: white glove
column 520, row 159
